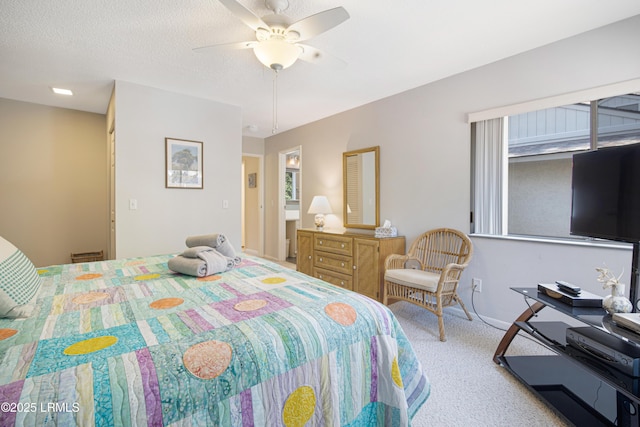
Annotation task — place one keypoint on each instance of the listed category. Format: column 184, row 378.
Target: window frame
column 519, row 109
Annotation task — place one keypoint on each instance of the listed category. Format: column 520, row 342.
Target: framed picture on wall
column 183, row 163
column 252, row 180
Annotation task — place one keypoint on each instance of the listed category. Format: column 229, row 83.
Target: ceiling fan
column 277, row 43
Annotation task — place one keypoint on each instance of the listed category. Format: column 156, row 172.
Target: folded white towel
column 215, row 261
column 195, row 250
column 211, row 240
column 217, row 241
column 226, row 249
column 202, row 261
column 189, row 266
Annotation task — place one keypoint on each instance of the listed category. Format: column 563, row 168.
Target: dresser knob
column 354, row 267
column 320, row 242
column 309, row 256
column 342, row 245
column 320, row 276
column 343, row 264
column 342, row 283
column 321, row 260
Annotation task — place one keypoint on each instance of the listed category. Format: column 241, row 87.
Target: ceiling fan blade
column 244, row 14
column 316, row 24
column 316, row 56
column 218, row 47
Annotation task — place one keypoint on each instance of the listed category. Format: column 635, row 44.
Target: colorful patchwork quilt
column 131, row 343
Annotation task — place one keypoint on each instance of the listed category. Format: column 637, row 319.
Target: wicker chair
column 428, row 275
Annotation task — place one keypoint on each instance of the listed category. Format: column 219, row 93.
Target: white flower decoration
column 607, row 278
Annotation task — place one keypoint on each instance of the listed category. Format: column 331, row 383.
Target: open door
column 112, row 193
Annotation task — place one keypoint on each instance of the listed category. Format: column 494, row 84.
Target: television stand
column 581, row 388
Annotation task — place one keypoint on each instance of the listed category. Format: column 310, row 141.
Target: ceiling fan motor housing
column 277, row 5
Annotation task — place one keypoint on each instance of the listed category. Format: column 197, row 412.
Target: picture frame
column 252, row 180
column 183, row 163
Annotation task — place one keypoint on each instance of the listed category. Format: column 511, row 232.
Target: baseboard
column 476, row 316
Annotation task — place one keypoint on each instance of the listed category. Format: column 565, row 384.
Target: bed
column 129, row 342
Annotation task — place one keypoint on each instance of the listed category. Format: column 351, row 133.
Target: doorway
column 290, row 194
column 252, row 210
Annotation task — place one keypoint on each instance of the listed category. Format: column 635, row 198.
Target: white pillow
column 19, row 282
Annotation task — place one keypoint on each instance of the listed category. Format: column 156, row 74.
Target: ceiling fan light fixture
column 277, row 54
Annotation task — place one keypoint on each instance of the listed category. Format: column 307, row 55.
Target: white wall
column 144, row 116
column 323, row 142
column 424, row 141
column 53, row 181
column 252, row 145
column 505, row 263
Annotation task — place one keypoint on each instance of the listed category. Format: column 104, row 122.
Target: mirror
column 360, row 177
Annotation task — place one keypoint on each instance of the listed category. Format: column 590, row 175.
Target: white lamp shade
column 277, row 52
column 320, row 205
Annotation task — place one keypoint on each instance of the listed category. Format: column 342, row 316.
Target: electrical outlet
column 476, row 284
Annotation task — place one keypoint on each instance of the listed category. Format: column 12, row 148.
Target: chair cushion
column 414, row 278
column 19, row 282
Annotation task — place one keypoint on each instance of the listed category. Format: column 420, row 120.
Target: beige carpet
column 467, row 387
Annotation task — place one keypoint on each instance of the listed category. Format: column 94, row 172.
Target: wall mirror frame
column 361, row 188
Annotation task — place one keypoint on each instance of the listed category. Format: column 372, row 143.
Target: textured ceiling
column 388, row 47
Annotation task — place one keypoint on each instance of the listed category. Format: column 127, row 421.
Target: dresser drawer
column 334, row 278
column 354, row 261
column 334, row 262
column 333, row 243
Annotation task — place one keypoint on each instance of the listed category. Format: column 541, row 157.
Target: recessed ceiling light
column 61, row 91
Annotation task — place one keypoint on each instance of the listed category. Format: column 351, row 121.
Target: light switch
column 133, row 204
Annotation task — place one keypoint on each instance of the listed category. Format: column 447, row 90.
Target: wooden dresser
column 351, row 260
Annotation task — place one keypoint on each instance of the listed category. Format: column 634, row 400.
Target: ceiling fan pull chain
column 275, row 103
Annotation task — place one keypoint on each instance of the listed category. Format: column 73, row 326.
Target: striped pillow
column 19, row 282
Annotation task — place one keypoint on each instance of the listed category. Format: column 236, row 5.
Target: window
column 292, row 191
column 531, row 194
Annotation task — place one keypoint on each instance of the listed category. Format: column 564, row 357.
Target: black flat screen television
column 605, row 201
column 606, row 194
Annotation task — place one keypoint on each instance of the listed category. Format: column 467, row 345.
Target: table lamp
column 320, row 206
